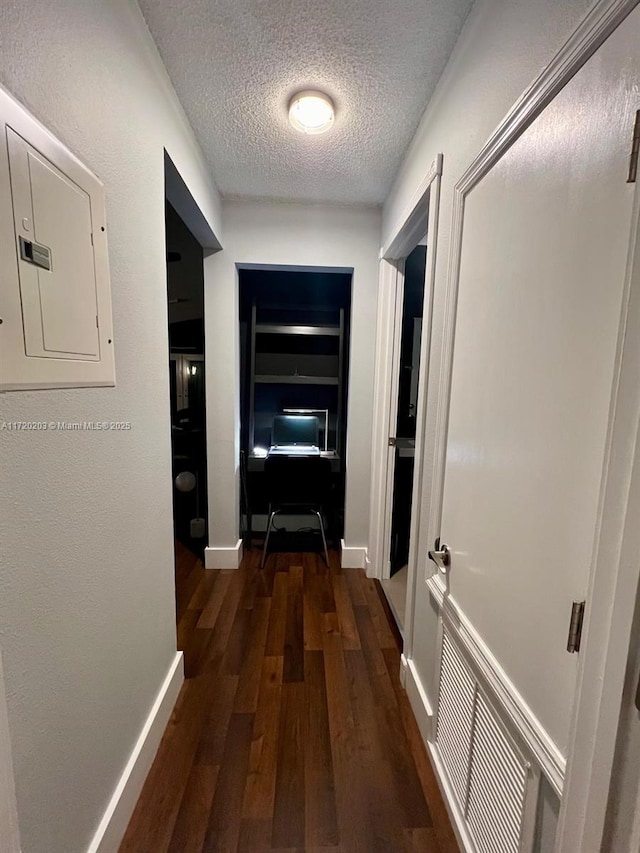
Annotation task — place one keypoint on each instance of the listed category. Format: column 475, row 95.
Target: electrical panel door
column 52, row 218
column 55, row 301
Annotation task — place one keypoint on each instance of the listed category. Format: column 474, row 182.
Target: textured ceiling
column 235, row 64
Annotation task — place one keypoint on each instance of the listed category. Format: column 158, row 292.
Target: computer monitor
column 323, row 422
column 295, row 431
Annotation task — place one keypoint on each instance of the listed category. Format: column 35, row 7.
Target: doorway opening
column 185, row 298
column 403, row 437
column 294, row 345
column 188, row 240
column 400, row 491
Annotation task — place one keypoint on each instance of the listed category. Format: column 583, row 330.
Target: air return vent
column 455, row 717
column 497, row 785
column 488, row 773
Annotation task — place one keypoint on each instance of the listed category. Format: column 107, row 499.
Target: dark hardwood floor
column 291, row 732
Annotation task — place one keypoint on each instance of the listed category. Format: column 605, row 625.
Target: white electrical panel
column 55, row 300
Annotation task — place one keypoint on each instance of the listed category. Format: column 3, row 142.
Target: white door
column 544, row 249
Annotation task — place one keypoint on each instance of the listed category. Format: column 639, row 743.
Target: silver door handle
column 441, row 556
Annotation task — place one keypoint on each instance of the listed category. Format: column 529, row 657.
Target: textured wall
column 86, row 576
column 9, row 840
column 299, row 235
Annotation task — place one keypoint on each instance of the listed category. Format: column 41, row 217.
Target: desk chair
column 297, row 485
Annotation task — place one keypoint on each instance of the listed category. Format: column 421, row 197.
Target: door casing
column 420, row 216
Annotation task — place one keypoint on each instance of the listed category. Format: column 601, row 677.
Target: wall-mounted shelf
column 296, row 346
column 289, row 329
column 297, row 380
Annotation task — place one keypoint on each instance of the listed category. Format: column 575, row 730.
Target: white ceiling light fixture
column 311, row 112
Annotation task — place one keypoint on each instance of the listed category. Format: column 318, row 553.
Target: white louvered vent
column 455, row 717
column 487, row 771
column 497, row 785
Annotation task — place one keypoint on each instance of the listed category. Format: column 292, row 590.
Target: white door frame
column 615, row 572
column 392, row 415
column 9, row 835
column 611, row 596
column 420, row 216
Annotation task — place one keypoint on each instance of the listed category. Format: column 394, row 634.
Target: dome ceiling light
column 311, row 112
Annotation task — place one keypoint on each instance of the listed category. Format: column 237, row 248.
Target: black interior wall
column 412, row 308
column 185, row 297
column 285, row 295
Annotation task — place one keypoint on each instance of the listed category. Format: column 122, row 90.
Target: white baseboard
column 116, row 818
column 404, row 666
column 418, row 698
column 368, row 566
column 353, row 558
column 423, row 712
column 223, row 558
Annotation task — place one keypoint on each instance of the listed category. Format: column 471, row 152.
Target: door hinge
column 392, row 441
column 635, row 151
column 575, row 626
column 97, row 324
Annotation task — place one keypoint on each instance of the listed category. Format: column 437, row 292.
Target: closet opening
column 409, row 337
column 294, row 346
column 185, row 298
column 188, row 241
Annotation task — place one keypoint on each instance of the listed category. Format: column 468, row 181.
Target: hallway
column 292, row 731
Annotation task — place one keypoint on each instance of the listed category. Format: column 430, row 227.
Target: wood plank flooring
column 291, row 732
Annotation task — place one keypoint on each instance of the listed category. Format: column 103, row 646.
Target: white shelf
column 265, row 379
column 285, row 329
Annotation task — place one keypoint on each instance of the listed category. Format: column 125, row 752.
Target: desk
column 256, row 463
column 258, row 499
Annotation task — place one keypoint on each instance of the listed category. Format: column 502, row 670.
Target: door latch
column 35, row 253
column 441, row 556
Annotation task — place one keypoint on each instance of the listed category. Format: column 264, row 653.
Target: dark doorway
column 185, row 296
column 294, row 345
column 412, row 311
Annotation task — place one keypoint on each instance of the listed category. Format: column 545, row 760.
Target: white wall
column 86, row 581
column 289, row 235
column 9, row 838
